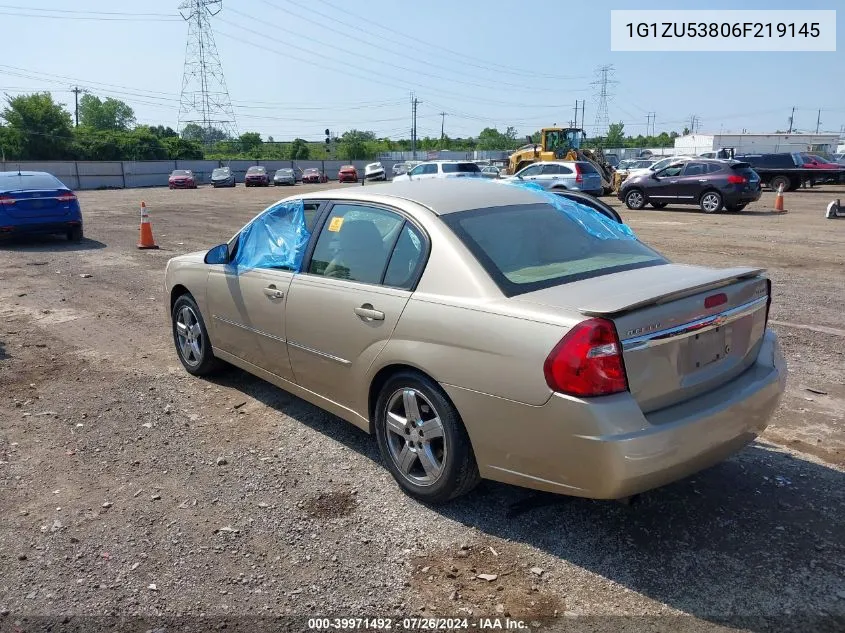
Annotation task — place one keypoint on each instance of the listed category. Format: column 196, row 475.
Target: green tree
column 39, row 127
column 615, row 135
column 491, row 139
column 9, row 144
column 299, row 150
column 356, row 145
column 163, row 132
column 108, row 115
column 250, row 143
column 195, row 132
column 182, row 149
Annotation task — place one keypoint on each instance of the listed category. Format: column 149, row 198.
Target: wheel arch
column 380, row 379
column 707, row 190
column 177, row 291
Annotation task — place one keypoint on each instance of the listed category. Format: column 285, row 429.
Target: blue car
column 37, row 202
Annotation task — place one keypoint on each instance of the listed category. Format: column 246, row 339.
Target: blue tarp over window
column 275, row 239
column 595, row 223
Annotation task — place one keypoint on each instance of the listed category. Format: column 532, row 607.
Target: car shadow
column 48, row 243
column 3, row 353
column 756, row 541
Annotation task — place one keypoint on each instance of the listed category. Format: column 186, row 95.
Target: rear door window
column 356, row 243
column 550, row 170
column 454, row 168
column 695, row 169
column 407, row 259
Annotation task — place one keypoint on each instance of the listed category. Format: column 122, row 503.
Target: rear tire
column 658, row 205
column 435, row 466
column 777, row 181
column 710, row 201
column 192, row 343
column 75, row 234
column 735, row 208
column 635, row 199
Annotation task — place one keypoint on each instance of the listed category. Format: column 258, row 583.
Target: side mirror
column 520, row 177
column 654, row 175
column 218, row 255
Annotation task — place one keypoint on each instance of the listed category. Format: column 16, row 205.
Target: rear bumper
column 606, row 448
column 39, row 228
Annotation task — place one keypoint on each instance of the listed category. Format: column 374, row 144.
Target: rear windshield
column 181, row 172
column 587, row 168
column 529, row 247
column 220, row 171
column 24, row 182
column 285, row 172
column 452, row 168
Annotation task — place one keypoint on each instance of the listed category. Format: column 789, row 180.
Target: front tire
column 191, row 337
column 635, row 199
column 422, row 440
column 710, row 202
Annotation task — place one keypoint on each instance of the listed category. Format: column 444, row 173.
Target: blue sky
column 294, row 68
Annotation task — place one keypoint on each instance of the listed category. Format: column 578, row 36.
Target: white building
column 756, row 143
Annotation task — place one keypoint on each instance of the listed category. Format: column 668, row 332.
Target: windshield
column 220, row 171
column 284, row 172
column 562, row 140
column 530, row 247
column 662, row 163
column 181, row 172
column 453, row 168
column 255, row 170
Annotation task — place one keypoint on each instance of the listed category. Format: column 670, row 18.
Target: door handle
column 702, row 180
column 273, row 292
column 673, row 182
column 366, row 311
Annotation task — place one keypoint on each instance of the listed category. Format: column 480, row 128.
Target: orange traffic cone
column 146, row 240
column 779, row 200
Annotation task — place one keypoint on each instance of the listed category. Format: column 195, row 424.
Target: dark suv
column 711, row 184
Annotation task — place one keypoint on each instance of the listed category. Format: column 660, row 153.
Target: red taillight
column 6, row 200
column 66, row 197
column 587, row 361
column 715, row 300
column 579, row 177
column 737, row 180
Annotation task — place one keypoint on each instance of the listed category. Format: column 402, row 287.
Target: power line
column 205, row 98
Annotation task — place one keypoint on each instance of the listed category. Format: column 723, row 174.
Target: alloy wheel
column 415, row 437
column 189, row 335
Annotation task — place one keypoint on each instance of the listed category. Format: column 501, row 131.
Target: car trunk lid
column 685, row 330
column 50, row 203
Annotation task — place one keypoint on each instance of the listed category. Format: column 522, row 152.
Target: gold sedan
column 488, row 330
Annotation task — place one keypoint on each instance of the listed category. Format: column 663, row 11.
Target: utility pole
column 442, row 127
column 818, row 121
column 575, row 124
column 414, row 103
column 791, row 120
column 76, row 90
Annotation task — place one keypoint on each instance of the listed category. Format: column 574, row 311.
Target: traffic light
column 328, row 137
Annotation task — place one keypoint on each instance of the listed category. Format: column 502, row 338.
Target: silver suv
column 568, row 174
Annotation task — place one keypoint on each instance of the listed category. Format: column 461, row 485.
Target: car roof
column 25, row 173
column 442, row 196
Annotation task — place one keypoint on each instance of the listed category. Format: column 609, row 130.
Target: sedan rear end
column 37, row 202
column 182, row 179
column 347, row 173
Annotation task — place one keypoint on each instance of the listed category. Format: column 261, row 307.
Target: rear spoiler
column 667, row 292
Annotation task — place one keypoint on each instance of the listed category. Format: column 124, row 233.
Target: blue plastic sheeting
column 595, row 223
column 275, row 239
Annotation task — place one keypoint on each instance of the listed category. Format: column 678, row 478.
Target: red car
column 182, row 179
column 347, row 173
column 314, row 175
column 257, row 177
column 811, row 161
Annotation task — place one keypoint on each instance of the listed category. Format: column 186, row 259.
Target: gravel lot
column 129, row 488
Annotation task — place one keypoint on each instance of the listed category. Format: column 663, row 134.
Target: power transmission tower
column 603, row 84
column 650, row 121
column 205, row 98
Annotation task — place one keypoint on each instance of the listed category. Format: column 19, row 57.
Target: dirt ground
column 129, row 489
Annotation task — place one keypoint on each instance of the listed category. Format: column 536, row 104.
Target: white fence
column 80, row 175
